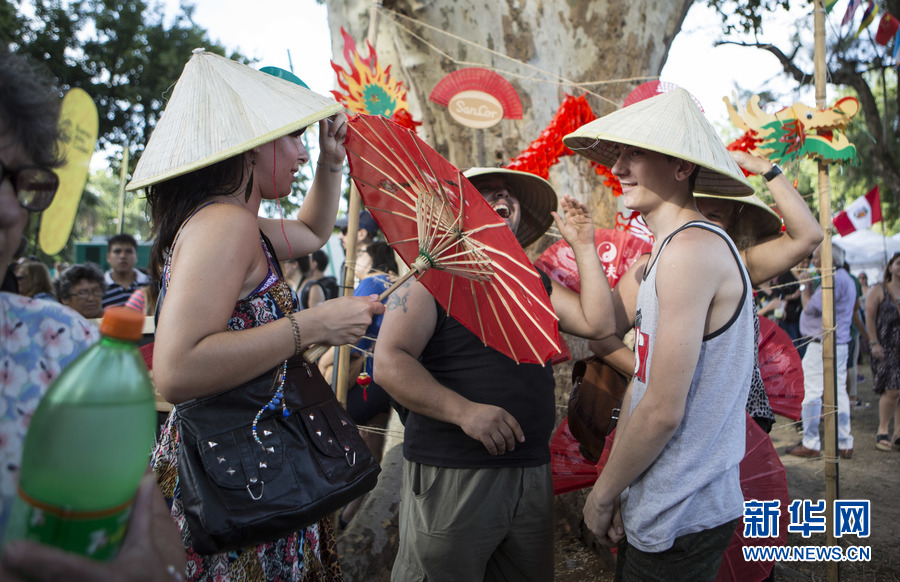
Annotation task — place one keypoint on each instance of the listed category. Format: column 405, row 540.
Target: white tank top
column 693, row 484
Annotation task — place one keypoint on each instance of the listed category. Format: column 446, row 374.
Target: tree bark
column 369, row 544
column 554, row 47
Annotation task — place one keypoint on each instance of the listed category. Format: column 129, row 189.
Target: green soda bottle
column 88, row 446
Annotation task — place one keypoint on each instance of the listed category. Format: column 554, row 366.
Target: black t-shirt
column 459, row 361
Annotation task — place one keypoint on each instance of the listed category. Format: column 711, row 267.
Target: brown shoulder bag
column 594, row 404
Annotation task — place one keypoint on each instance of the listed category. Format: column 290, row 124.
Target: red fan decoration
column 635, row 224
column 617, row 249
column 571, row 471
column 763, row 478
column 781, row 369
column 651, row 89
column 477, row 79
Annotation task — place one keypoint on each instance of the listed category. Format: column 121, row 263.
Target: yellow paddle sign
column 78, row 125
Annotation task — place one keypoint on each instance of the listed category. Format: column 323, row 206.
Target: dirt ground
column 871, row 474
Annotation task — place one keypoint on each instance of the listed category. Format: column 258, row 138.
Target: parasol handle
column 316, row 351
column 397, row 284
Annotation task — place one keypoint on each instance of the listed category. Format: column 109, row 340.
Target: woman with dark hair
column 883, row 331
column 226, row 314
column 34, row 280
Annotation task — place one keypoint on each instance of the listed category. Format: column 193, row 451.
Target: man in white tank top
column 670, row 490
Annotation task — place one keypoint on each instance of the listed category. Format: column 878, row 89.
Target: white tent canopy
column 868, row 251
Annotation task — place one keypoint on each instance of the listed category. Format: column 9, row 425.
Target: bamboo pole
column 829, row 396
column 342, row 366
column 123, row 178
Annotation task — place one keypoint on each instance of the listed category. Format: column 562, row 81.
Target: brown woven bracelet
column 295, row 327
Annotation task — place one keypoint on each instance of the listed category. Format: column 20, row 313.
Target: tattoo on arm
column 398, row 298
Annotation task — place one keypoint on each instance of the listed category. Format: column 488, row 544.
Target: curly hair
column 29, row 108
column 74, row 275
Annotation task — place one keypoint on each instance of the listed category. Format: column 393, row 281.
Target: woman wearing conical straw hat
column 229, row 138
column 695, row 343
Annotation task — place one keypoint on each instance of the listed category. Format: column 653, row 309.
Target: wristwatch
column 771, row 174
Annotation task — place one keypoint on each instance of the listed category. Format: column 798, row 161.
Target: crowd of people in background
column 85, row 287
column 477, row 496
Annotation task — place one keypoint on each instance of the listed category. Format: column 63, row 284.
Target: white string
column 557, row 80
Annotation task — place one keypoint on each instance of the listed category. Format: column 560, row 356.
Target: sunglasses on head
column 35, row 186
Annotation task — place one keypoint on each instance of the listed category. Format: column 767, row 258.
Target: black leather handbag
column 238, row 492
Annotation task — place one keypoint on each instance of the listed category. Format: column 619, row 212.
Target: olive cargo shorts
column 475, row 524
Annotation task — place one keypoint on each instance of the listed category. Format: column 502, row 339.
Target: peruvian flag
column 861, row 213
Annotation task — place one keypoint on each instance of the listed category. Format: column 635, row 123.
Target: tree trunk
column 369, row 544
column 555, row 47
column 606, row 46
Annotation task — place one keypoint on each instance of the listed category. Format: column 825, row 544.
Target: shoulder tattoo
column 398, row 298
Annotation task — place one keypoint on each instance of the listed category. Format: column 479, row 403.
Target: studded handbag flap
column 233, row 460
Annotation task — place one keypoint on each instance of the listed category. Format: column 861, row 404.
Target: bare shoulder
column 226, row 224
column 698, row 262
column 222, row 240
column 876, row 293
column 409, row 320
column 698, row 247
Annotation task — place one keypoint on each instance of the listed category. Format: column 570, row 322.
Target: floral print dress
column 309, row 554
column 38, row 339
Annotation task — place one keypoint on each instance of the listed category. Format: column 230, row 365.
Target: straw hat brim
column 753, row 214
column 671, row 124
column 220, row 108
column 537, row 199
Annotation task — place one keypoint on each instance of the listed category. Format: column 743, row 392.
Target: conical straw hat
column 536, row 196
column 218, row 109
column 753, row 215
column 669, row 123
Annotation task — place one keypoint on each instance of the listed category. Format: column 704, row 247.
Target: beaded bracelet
column 295, row 327
column 330, row 168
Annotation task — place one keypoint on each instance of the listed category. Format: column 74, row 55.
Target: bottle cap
column 122, row 323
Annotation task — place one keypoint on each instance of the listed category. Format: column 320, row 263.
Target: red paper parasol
column 617, row 249
column 781, row 369
column 461, row 249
